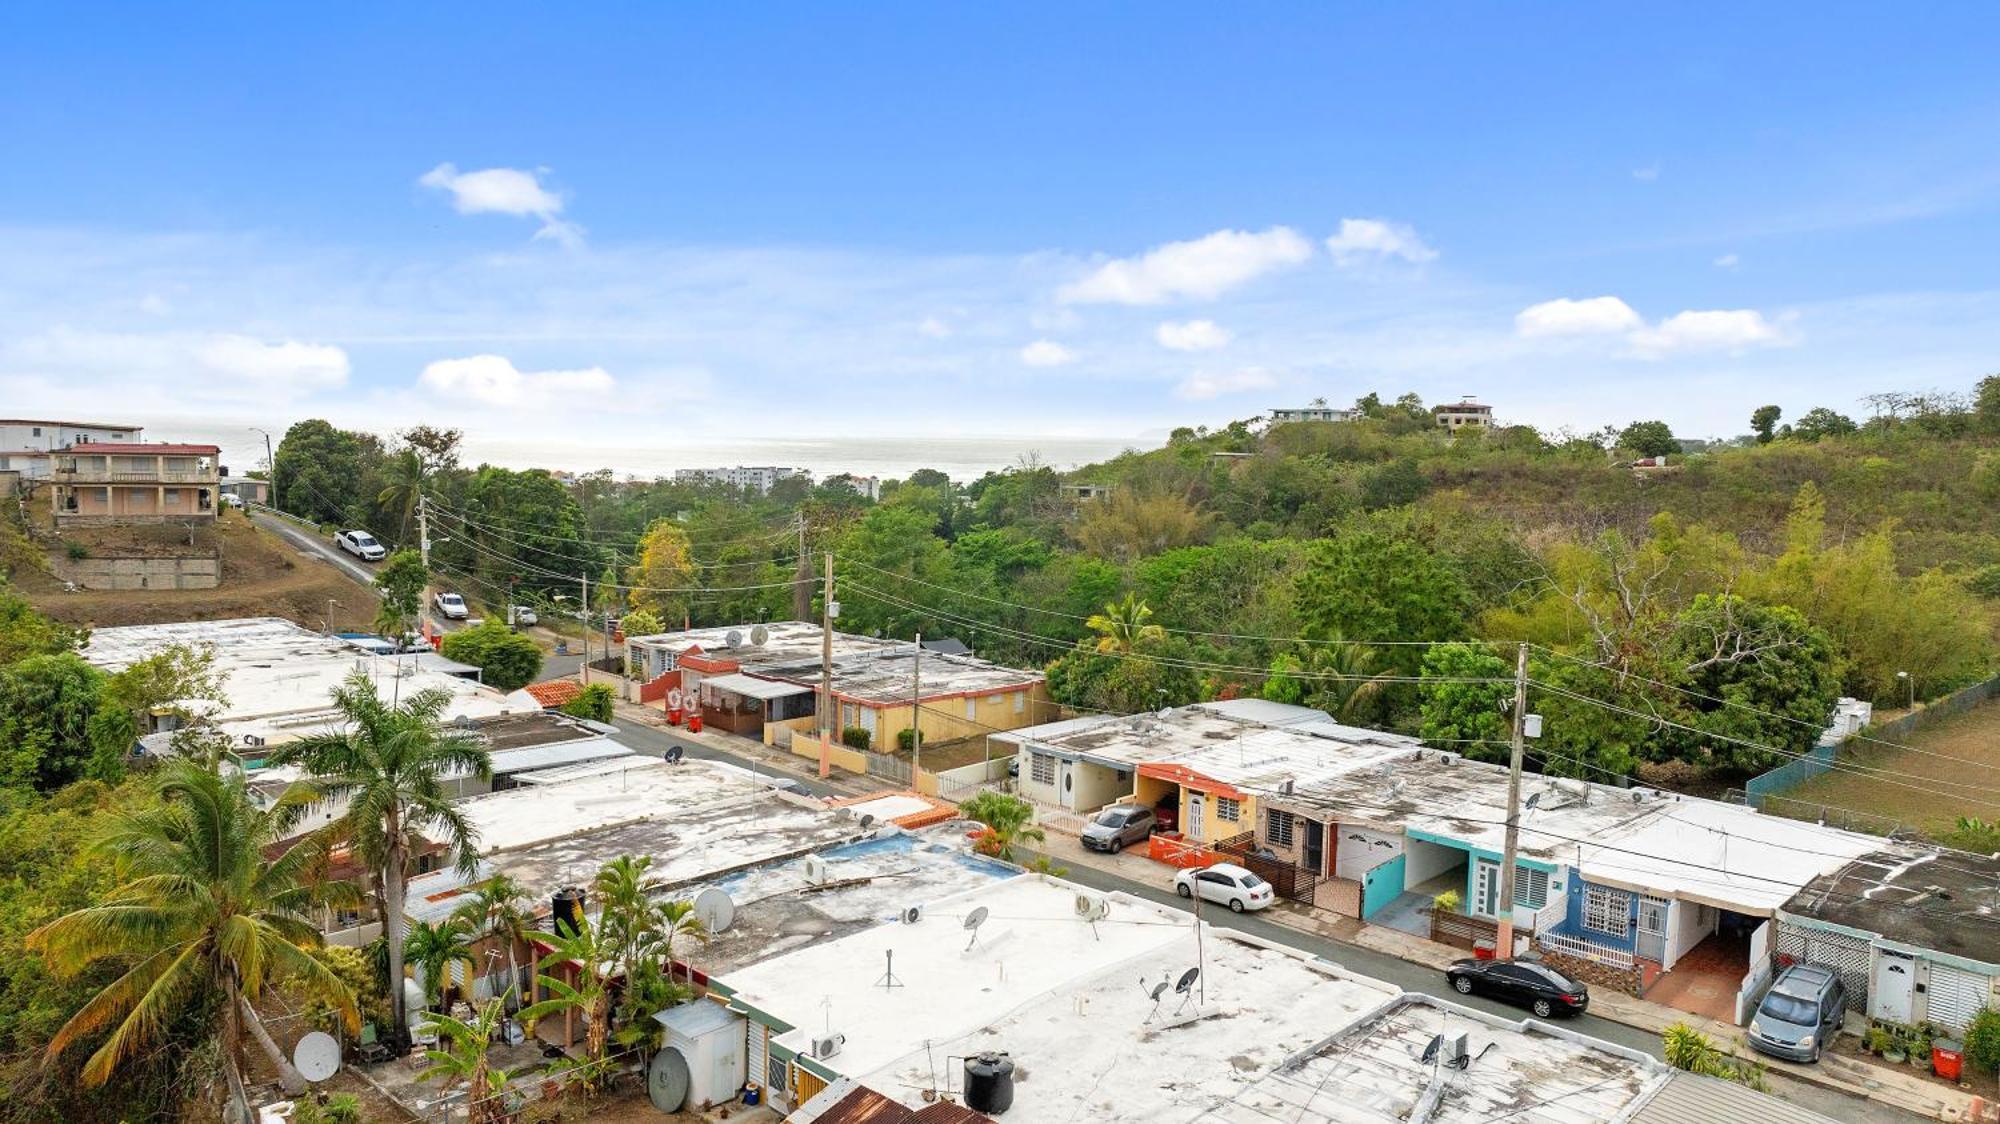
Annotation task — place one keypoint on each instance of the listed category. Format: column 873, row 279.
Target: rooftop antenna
column 973, row 921
column 1184, row 987
column 889, row 979
column 1154, row 993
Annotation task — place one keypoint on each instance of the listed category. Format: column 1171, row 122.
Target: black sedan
column 1536, row 986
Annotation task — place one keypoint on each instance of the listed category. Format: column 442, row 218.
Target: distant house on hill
column 1319, row 412
column 28, row 444
column 1463, row 414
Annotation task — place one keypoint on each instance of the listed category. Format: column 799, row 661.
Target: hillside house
column 113, row 482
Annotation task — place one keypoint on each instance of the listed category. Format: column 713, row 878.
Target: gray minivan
column 1800, row 1014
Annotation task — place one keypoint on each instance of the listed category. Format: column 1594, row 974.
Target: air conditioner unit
column 913, row 914
column 1456, row 1047
column 815, row 870
column 828, row 1045
column 1090, row 907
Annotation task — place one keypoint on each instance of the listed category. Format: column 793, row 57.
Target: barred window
column 1278, row 829
column 1607, row 911
column 1227, row 808
column 1041, row 768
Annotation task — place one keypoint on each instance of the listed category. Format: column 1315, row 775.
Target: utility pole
column 802, row 592
column 916, row 712
column 826, row 715
column 1504, row 938
column 423, row 532
column 272, row 458
column 584, row 580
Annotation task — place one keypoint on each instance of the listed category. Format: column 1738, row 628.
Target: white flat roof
column 1725, row 855
column 531, row 758
column 751, row 687
column 520, row 817
column 1219, row 745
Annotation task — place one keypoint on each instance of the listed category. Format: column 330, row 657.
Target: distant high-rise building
column 756, row 478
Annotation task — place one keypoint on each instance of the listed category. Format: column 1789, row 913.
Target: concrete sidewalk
column 1894, row 1086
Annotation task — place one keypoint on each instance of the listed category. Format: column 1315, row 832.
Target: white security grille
column 1956, row 995
column 1847, row 956
column 759, row 1066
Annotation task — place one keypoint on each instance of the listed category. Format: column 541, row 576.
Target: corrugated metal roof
column 550, row 756
column 1689, row 1098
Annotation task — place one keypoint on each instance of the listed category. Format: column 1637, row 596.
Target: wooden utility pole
column 1504, row 938
column 916, row 711
column 826, row 705
column 583, row 580
column 802, row 591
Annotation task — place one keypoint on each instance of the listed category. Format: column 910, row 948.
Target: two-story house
column 107, row 482
column 27, row 444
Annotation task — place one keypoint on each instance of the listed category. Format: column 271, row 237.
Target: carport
column 742, row 703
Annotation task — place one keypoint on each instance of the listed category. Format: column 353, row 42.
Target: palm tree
column 461, row 1056
column 1122, row 625
column 498, row 909
column 625, row 916
column 405, row 475
column 436, row 947
column 587, row 993
column 676, row 919
column 1007, row 819
column 1354, row 678
column 200, row 912
column 389, row 764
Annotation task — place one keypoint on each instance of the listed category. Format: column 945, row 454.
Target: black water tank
column 569, row 911
column 989, row 1083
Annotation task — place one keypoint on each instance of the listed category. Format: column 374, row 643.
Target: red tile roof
column 143, row 449
column 556, row 692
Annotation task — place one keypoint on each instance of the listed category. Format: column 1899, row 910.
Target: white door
column 1652, row 928
column 1194, row 816
column 1895, row 986
column 1486, row 889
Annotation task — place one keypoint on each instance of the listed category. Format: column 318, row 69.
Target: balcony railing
column 107, row 476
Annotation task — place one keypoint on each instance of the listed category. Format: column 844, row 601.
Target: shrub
column 507, row 660
column 1985, row 581
column 77, row 551
column 1689, row 1049
column 1982, row 1041
column 594, row 703
column 340, row 1108
column 854, row 737
column 906, row 739
column 1447, row 902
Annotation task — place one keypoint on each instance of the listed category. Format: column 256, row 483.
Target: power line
column 467, row 524
column 619, row 538
column 694, row 589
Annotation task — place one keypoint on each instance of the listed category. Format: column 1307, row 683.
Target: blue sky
column 1075, row 219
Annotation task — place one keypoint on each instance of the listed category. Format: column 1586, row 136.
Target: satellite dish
column 317, row 1056
column 1186, row 981
column 734, row 639
column 674, row 697
column 674, row 755
column 972, row 923
column 667, row 1080
column 716, row 910
column 1156, row 991
column 759, row 634
column 867, row 819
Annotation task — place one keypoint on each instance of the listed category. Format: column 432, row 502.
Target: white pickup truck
column 362, row 545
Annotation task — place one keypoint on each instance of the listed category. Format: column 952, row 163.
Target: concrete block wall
column 143, row 573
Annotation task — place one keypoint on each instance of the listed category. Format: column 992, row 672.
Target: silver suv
column 1800, row 1014
column 1114, row 827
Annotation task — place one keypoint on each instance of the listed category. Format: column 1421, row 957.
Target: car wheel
column 1462, row 985
column 1542, row 1008
column 1815, row 1055
column 1183, row 890
column 1117, row 845
column 1236, row 905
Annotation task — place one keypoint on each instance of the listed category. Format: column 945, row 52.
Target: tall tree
column 1124, row 626
column 389, row 763
column 1649, row 439
column 1764, row 423
column 200, row 912
column 664, row 572
column 498, row 909
column 401, row 581
column 403, row 478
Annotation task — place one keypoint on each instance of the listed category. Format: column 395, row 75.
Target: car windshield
column 1109, row 819
column 453, row 599
column 1250, row 880
column 364, row 538
column 1789, row 1009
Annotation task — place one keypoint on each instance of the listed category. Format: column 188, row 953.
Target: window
column 1607, row 911
column 1531, row 887
column 1228, row 809
column 173, row 495
column 971, row 708
column 1041, row 768
column 1020, row 701
column 38, row 431
column 1278, row 829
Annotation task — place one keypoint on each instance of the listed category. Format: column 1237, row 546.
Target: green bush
column 1982, row 1041
column 854, row 737
column 594, row 703
column 508, row 660
column 77, row 551
column 906, row 739
column 340, row 1108
column 1985, row 581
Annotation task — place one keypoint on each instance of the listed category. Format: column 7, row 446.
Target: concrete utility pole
column 802, row 591
column 1504, row 939
column 916, row 712
column 424, row 533
column 583, row 580
column 271, row 458
column 826, row 715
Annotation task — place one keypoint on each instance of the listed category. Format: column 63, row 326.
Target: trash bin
column 1947, row 1058
column 1482, row 950
column 694, row 722
column 673, row 716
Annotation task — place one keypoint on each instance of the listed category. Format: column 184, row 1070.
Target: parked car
column 1114, row 827
column 1525, row 983
column 1800, row 1014
column 1225, row 884
column 362, row 545
column 452, row 606
column 522, row 616
column 231, row 499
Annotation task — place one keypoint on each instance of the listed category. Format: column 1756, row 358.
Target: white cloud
column 1728, row 261
column 493, row 380
column 1203, row 385
column 934, row 328
column 1362, row 240
column 505, row 191
column 301, row 366
column 1047, row 353
column 1565, row 317
column 1714, row 330
column 1201, row 269
column 153, row 304
column 1192, row 335
column 1647, row 174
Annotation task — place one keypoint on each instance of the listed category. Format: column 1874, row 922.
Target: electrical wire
column 465, row 525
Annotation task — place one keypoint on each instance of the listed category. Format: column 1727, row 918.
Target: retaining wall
column 142, row 573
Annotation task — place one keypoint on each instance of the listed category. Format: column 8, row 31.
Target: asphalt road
column 312, row 544
column 1419, row 978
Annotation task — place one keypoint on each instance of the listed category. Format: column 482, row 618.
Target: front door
column 1315, row 852
column 1193, row 828
column 1486, row 889
column 1895, row 986
column 1652, row 928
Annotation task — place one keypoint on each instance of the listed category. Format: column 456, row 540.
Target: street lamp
column 1907, row 678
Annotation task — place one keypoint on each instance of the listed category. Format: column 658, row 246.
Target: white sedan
column 1225, row 884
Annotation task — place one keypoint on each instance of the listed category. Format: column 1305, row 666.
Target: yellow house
column 950, row 697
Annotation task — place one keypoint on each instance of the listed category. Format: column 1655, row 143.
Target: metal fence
column 1584, row 949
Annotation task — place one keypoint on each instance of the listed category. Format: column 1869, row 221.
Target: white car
column 452, row 606
column 1225, row 884
column 522, row 616
column 362, row 545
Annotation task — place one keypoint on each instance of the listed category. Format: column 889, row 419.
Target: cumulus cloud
column 493, row 380
column 1364, row 240
column 1192, row 335
column 1200, row 269
column 1047, row 353
column 303, row 366
column 1203, row 385
column 1728, row 261
column 1565, row 317
column 505, row 191
column 1715, row 330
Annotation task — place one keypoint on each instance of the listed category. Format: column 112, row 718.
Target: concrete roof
column 1726, row 855
column 1067, row 999
column 785, row 642
column 1265, row 711
column 1373, row 1072
column 1945, row 901
column 866, row 668
column 140, row 448
column 1211, row 742
column 749, row 686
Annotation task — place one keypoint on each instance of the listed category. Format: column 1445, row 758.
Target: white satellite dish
column 734, row 639
column 716, row 910
column 317, row 1055
column 674, row 697
column 759, row 634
